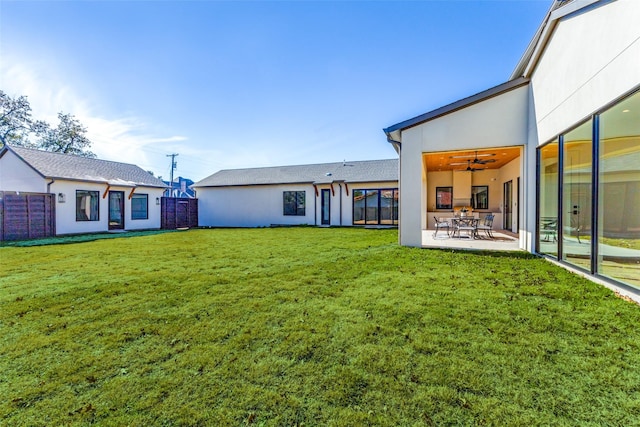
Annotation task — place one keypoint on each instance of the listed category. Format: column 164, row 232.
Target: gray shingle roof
column 66, row 166
column 361, row 171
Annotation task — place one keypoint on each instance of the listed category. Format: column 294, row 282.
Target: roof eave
column 538, row 43
column 394, row 132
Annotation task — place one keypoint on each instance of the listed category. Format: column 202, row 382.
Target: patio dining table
column 467, row 224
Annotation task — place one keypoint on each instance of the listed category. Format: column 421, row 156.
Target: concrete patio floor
column 503, row 241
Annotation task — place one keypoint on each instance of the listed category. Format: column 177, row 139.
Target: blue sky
column 229, row 84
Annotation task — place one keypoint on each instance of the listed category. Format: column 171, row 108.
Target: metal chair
column 487, row 225
column 441, row 224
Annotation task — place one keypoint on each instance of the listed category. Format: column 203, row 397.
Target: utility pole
column 174, row 164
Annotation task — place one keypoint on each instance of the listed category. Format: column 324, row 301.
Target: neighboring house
column 181, row 187
column 91, row 195
column 556, row 148
column 345, row 193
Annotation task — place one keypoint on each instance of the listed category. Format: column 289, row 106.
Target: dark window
column 480, row 197
column 377, row 207
column 140, row 206
column 444, row 197
column 294, row 203
column 87, row 205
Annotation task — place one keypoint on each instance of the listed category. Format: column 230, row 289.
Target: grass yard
column 307, row 326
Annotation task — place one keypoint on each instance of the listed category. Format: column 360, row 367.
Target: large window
column 375, row 207
column 593, row 222
column 294, row 203
column 140, row 206
column 87, row 205
column 577, row 195
column 619, row 189
column 480, row 197
column 548, row 199
column 444, row 197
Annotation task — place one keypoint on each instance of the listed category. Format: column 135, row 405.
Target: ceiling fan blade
column 483, row 161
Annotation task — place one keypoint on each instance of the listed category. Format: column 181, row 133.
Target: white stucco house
column 556, row 147
column 91, row 195
column 361, row 193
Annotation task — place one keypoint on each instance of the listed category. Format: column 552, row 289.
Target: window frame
column 146, row 206
column 379, row 217
column 94, row 197
column 296, row 201
column 472, row 203
column 440, row 190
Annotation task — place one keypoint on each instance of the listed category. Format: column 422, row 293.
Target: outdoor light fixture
column 157, row 200
column 61, row 198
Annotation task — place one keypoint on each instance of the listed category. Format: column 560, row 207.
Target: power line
column 173, row 166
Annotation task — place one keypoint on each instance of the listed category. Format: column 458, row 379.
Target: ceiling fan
column 476, row 160
column 469, row 168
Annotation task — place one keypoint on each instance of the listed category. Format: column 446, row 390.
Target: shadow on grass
column 80, row 238
column 486, row 253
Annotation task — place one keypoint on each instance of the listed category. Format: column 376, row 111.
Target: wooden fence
column 178, row 213
column 27, row 215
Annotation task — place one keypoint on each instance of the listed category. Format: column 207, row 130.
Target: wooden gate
column 27, row 215
column 178, row 212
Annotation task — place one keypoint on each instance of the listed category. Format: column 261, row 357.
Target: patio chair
column 469, row 225
column 441, row 224
column 487, row 225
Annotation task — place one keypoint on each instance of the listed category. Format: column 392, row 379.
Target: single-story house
column 340, row 194
column 91, row 195
column 555, row 149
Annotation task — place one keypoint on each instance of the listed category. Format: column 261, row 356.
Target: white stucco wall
column 592, row 58
column 16, row 175
column 66, row 211
column 251, row 206
column 262, row 205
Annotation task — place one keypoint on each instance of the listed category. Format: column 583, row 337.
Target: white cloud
column 124, row 139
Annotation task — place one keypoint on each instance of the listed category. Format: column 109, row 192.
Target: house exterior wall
column 590, row 60
column 251, row 206
column 66, row 222
column 500, row 121
column 16, row 175
column 262, row 205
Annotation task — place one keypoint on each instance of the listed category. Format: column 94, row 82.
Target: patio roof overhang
column 478, row 160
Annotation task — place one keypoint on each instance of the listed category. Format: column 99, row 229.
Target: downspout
column 49, row 185
column 340, row 204
column 315, row 206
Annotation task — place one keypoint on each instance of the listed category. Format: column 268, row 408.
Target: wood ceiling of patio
column 441, row 161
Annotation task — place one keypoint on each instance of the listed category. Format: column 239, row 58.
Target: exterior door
column 116, row 210
column 507, row 203
column 325, row 207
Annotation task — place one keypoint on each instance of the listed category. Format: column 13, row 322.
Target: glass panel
column 371, row 206
column 548, row 199
column 576, row 196
column 386, row 207
column 325, row 207
column 396, row 195
column 619, row 189
column 300, row 203
column 87, row 203
column 293, row 203
column 139, row 206
column 444, row 197
column 480, row 197
column 116, row 204
column 358, row 206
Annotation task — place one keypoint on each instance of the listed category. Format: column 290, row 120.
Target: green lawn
column 307, row 326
